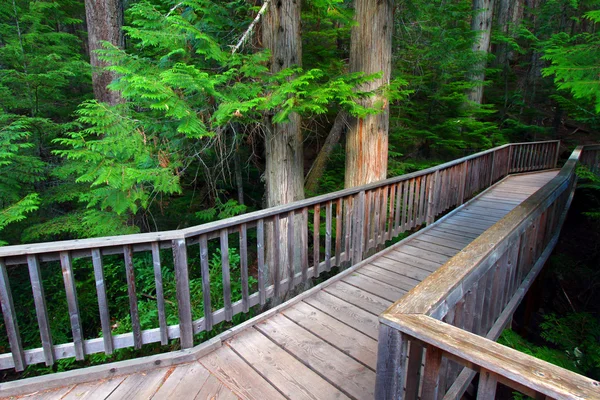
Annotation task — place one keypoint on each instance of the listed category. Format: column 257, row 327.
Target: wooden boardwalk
column 323, row 347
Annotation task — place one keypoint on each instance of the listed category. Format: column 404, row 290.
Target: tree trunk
column 370, row 52
column 104, row 22
column 482, row 23
column 311, row 183
column 284, row 171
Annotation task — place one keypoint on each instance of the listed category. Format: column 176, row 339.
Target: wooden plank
column 401, row 268
column 346, row 339
column 140, row 386
column 292, row 378
column 374, row 286
column 451, row 231
column 328, row 225
column 41, row 311
column 260, row 250
column 415, row 261
column 348, row 375
column 94, row 390
column 182, row 286
column 224, row 241
column 160, row 297
column 451, row 244
column 55, row 394
column 215, row 389
column 349, row 314
column 66, row 264
column 358, row 297
column 240, row 377
column 132, row 295
column 433, row 247
column 316, row 240
column 244, row 267
column 185, row 381
column 424, row 254
column 102, row 301
column 205, row 272
column 392, row 358
column 10, row 319
column 395, row 279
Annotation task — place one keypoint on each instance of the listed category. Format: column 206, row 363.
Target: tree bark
column 482, row 23
column 284, row 171
column 104, row 22
column 370, row 52
column 311, row 183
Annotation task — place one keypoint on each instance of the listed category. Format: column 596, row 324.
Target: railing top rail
column 122, row 240
column 447, row 282
column 477, row 351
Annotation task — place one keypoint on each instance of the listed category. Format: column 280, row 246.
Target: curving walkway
column 321, row 346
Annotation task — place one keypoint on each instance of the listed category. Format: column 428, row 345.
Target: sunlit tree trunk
column 104, row 23
column 482, row 24
column 284, row 172
column 370, row 52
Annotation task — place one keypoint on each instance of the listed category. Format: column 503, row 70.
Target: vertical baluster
column 225, row 269
column 10, row 319
column 376, row 219
column 328, row 223
column 480, row 296
column 338, row 232
column 205, row 272
column 357, row 226
column 383, row 215
column 492, row 169
column 367, row 220
column 131, row 292
column 304, row 244
column 510, row 161
column 413, row 370
column 415, row 214
column 102, row 301
column 160, row 297
column 405, row 201
column 276, row 262
column 432, row 198
column 182, row 286
column 392, row 207
column 423, row 201
column 316, row 239
column 463, row 183
column 66, row 264
column 348, row 229
column 260, row 250
column 411, row 199
column 469, row 308
column 244, row 267
column 41, row 311
column 398, row 213
column 290, row 251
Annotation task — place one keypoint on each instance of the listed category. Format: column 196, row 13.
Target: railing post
column 10, row 319
column 186, row 332
column 557, row 154
column 432, row 200
column 392, row 346
column 509, row 160
column 492, row 169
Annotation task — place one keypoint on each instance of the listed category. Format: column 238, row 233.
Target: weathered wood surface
column 325, row 345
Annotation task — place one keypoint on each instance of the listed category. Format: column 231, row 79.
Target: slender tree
column 370, row 52
column 104, row 22
column 284, row 171
column 482, row 23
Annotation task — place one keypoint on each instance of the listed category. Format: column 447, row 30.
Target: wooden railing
column 434, row 340
column 354, row 222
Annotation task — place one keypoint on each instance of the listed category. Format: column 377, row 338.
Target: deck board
column 325, row 346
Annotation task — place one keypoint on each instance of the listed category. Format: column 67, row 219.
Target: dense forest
column 121, row 117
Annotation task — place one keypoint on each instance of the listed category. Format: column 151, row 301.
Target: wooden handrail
column 356, row 222
column 477, row 290
column 507, row 366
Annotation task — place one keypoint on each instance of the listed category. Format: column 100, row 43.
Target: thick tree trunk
column 104, row 22
column 482, row 23
column 370, row 52
column 284, row 172
column 311, row 183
